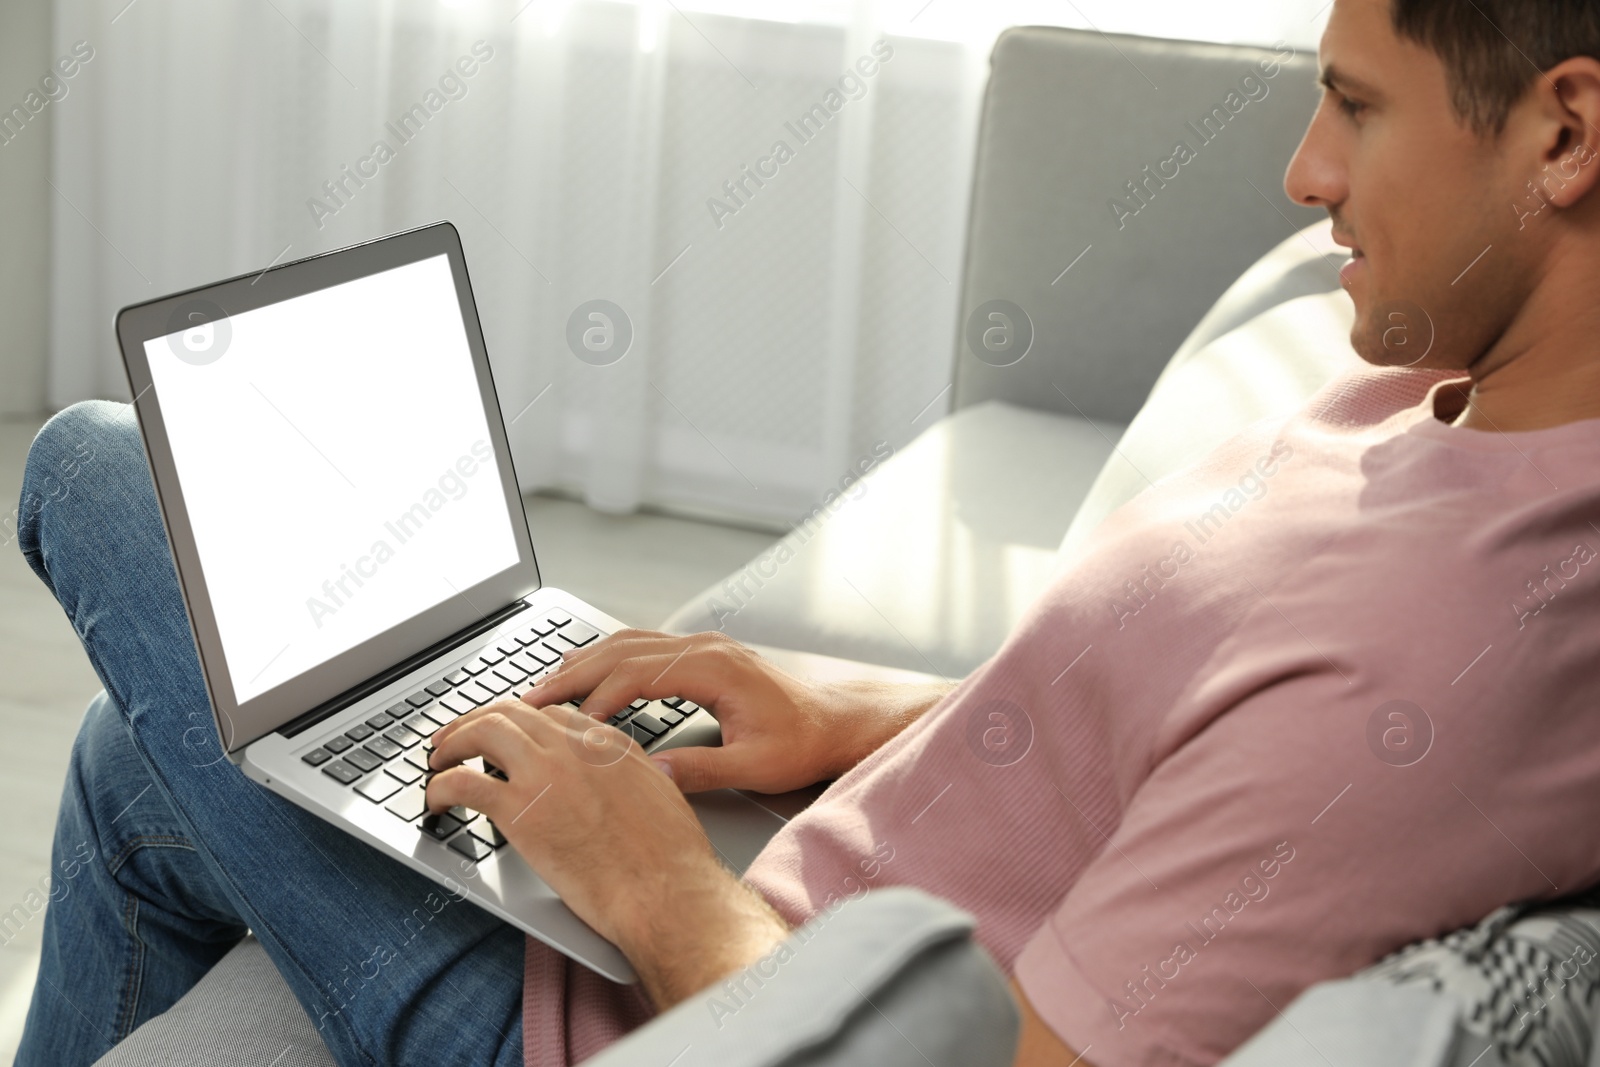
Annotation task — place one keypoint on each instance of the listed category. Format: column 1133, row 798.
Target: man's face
column 1417, row 194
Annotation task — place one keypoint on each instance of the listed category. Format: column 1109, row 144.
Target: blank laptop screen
column 336, row 463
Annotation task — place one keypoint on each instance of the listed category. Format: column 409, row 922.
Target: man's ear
column 1570, row 152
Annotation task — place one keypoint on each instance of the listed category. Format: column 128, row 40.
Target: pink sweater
column 1323, row 694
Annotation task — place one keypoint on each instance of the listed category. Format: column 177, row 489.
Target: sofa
column 1156, row 325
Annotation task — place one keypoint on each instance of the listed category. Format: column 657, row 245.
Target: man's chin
column 1392, row 332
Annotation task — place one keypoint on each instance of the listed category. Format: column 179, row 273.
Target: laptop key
column 670, row 717
column 411, row 804
column 489, row 834
column 342, row 772
column 383, row 748
column 471, row 847
column 473, row 666
column 464, row 816
column 672, row 702
column 440, row 826
column 403, row 736
column 441, row 715
column 510, row 672
column 508, row 646
column 541, row 627
column 419, row 759
column 359, row 732
column 476, row 692
column 644, row 737
column 458, row 703
column 456, row 677
column 380, row 722
column 399, row 711
column 421, row 725
column 579, row 633
column 337, row 745
column 648, row 723
column 525, row 663
column 378, row 788
column 544, row 654
column 402, row 771
column 419, row 700
column 490, row 656
column 558, row 618
column 363, row 760
column 317, row 757
column 639, row 705
column 493, row 682
column 439, row 688
column 528, row 636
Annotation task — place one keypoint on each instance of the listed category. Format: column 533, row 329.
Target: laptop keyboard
column 385, row 758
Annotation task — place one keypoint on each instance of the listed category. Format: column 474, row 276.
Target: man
column 1356, row 716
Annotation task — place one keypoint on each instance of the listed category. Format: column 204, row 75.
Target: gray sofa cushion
column 1358, row 1023
column 929, row 564
column 241, row 1014
column 1069, row 118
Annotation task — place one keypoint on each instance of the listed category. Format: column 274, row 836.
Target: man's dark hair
column 1493, row 49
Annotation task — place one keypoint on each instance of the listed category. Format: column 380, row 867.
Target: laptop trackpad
column 738, row 827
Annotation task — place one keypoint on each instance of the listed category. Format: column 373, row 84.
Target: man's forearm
column 708, row 932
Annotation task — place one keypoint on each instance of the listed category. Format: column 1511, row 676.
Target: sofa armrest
column 890, row 978
column 1361, row 1023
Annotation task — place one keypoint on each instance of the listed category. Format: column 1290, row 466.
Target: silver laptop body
column 340, row 500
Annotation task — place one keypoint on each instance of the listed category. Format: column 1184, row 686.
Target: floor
column 638, row 568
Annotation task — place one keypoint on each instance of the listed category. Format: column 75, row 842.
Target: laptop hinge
column 399, row 670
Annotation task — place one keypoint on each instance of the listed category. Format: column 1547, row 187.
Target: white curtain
column 790, row 308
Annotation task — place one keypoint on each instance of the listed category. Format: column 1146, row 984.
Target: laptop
column 341, row 503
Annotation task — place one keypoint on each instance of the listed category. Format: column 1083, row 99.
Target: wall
column 25, row 232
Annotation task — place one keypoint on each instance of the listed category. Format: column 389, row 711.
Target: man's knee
column 92, row 440
column 74, row 438
column 102, row 745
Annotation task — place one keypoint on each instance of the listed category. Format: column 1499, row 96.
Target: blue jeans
column 165, row 853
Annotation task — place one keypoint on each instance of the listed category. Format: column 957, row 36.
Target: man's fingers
column 582, row 668
column 494, row 736
column 695, row 768
column 696, row 674
column 505, row 705
column 613, row 644
column 468, row 788
column 697, row 668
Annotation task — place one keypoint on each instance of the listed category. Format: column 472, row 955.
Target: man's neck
column 1544, row 370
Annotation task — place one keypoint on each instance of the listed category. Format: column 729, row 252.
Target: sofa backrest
column 1071, row 122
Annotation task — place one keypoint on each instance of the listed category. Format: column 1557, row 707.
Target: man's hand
column 779, row 732
column 612, row 836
